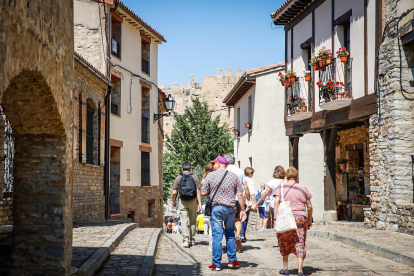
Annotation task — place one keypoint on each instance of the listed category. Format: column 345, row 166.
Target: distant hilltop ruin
column 212, row 90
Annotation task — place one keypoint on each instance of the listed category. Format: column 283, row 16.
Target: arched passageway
column 42, row 220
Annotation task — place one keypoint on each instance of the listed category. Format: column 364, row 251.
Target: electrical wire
column 378, row 120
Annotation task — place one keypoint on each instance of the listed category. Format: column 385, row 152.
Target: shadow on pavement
column 167, row 269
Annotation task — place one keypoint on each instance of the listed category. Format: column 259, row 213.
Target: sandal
column 284, row 272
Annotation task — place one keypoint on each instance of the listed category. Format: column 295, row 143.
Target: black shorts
column 238, row 210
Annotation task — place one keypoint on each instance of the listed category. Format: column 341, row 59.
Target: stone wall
column 391, row 139
column 137, row 200
column 88, row 179
column 88, row 193
column 6, row 212
column 213, row 89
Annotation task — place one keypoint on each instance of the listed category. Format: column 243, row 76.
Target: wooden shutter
column 83, row 120
column 101, row 136
column 76, row 124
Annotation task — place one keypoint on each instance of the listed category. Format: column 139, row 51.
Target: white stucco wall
column 268, row 145
column 310, row 152
column 127, row 127
column 371, row 20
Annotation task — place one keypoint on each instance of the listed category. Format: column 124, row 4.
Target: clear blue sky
column 205, row 35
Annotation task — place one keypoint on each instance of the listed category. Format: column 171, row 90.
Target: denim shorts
column 262, row 212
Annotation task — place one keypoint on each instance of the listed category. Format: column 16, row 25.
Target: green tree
column 196, row 137
column 171, row 168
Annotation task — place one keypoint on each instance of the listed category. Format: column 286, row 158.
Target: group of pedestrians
column 235, row 198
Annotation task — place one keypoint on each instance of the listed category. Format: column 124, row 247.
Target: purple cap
column 221, row 160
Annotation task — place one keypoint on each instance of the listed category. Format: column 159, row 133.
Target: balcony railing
column 299, row 100
column 145, row 66
column 336, row 72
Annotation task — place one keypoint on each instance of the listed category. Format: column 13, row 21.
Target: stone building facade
column 91, row 87
column 36, row 93
column 213, row 89
column 390, row 131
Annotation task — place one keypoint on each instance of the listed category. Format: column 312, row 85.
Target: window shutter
column 83, row 118
column 76, row 125
column 101, row 136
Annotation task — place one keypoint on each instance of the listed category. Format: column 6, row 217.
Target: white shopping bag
column 285, row 221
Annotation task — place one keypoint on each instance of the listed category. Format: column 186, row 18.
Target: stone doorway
column 115, row 181
column 42, row 216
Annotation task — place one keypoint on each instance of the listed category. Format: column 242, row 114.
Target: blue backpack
column 259, row 195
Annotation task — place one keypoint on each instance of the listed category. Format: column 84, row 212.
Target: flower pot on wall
column 237, row 133
column 292, row 79
column 248, row 125
column 316, row 66
column 338, row 171
column 344, row 58
column 308, row 77
column 304, row 109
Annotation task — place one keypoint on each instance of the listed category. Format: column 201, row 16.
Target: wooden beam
column 343, row 18
column 116, row 143
column 332, row 139
column 308, row 10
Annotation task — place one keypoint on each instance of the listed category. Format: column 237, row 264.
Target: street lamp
column 169, row 104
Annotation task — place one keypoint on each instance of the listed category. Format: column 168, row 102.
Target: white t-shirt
column 239, row 173
column 250, row 185
column 177, row 229
column 273, row 184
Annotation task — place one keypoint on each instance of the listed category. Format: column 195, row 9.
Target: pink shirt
column 297, row 196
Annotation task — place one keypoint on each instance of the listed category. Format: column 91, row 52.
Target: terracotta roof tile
column 139, row 19
column 264, row 68
column 92, row 67
column 276, row 13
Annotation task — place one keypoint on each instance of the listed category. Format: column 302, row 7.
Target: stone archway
column 42, row 216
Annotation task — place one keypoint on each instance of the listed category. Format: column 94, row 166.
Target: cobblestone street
column 260, row 256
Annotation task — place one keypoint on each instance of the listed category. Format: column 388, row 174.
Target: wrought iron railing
column 8, row 158
column 336, row 72
column 144, row 130
column 295, row 93
column 145, row 66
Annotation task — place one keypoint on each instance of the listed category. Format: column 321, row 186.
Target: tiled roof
column 276, row 13
column 91, row 67
column 139, row 19
column 264, row 68
column 242, row 86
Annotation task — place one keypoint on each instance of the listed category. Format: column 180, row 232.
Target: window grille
column 145, row 169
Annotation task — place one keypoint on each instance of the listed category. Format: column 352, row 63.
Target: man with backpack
column 188, row 187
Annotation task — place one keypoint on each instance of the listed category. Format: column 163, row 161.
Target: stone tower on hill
column 212, row 90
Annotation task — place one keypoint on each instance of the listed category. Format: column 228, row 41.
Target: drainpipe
column 107, row 150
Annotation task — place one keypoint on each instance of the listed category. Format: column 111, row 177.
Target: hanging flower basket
column 328, row 60
column 316, row 66
column 343, row 54
column 322, row 62
column 293, row 79
column 248, row 125
column 308, row 77
column 346, row 95
column 237, row 133
column 286, row 83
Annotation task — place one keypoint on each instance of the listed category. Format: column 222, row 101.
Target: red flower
column 331, row 85
column 319, row 85
column 290, row 98
column 280, row 73
column 342, row 83
column 337, row 83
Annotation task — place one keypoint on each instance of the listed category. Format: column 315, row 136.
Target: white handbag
column 285, row 221
column 267, row 205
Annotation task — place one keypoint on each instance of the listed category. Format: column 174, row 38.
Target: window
column 128, row 175
column 150, row 209
column 145, row 169
column 116, row 96
column 145, row 108
column 116, row 36
column 91, row 132
column 145, row 54
column 347, row 43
